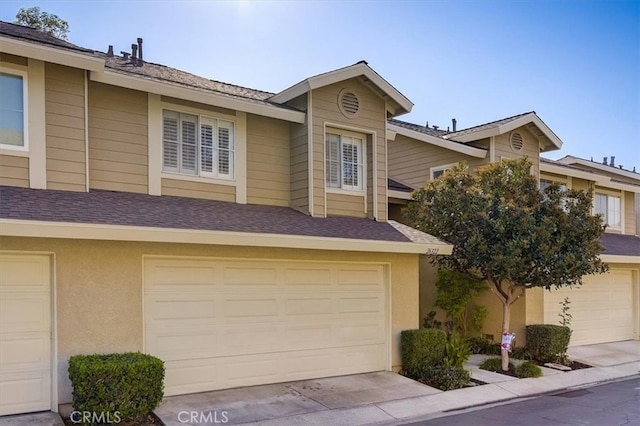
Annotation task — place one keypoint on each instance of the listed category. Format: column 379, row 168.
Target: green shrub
column 130, row 383
column 528, row 369
column 480, row 345
column 443, row 378
column 547, row 342
column 424, row 346
column 495, row 364
column 456, row 352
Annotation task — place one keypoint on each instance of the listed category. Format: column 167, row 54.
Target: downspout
column 86, row 129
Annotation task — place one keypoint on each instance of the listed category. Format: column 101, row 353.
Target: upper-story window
column 544, row 184
column 436, row 172
column 609, row 207
column 344, row 162
column 13, row 111
column 198, row 145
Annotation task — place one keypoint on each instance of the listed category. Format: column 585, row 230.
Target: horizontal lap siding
column 530, row 149
column 629, row 213
column 370, row 118
column 268, row 161
column 14, row 171
column 118, row 146
column 192, row 189
column 299, row 175
column 13, row 59
column 65, row 128
column 345, row 205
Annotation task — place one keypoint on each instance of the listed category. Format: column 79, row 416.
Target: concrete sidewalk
column 386, row 398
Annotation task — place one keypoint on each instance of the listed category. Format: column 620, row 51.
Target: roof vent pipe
column 125, row 55
column 110, row 51
column 140, row 51
column 454, row 123
column 613, row 161
column 436, row 127
column 134, row 54
column 604, row 161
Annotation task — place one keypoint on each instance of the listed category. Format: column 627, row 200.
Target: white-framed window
column 609, row 206
column 545, row 183
column 436, row 172
column 344, row 161
column 197, row 145
column 13, row 109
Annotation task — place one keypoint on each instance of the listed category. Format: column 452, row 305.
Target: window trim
column 200, row 176
column 362, row 164
column 444, row 167
column 25, row 109
column 605, row 217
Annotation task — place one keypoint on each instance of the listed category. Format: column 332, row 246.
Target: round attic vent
column 516, row 142
column 348, row 103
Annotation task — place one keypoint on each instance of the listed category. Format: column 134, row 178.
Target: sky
column 576, row 63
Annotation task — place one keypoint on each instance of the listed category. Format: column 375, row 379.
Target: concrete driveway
column 279, row 401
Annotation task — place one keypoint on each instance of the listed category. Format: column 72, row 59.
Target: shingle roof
column 418, row 128
column 31, row 34
column 119, row 208
column 621, row 245
column 394, row 185
column 486, row 126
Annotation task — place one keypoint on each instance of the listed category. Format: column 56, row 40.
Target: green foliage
column 480, row 345
column 430, row 321
column 129, row 383
column 478, row 315
column 46, row 22
column 455, row 292
column 456, row 352
column 565, row 316
column 424, row 347
column 547, row 342
column 528, row 369
column 443, row 377
column 495, row 365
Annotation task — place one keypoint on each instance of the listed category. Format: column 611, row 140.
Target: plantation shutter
column 225, row 148
column 189, row 143
column 333, row 160
column 170, row 140
column 207, row 129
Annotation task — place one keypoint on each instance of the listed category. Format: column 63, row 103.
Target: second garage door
column 602, row 308
column 225, row 323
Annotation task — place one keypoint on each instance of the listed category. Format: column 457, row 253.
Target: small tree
column 455, row 292
column 507, row 232
column 46, row 22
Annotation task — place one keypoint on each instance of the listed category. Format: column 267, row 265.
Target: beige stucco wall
column 98, row 290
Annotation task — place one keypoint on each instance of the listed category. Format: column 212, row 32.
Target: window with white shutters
column 197, row 145
column 344, row 162
column 609, row 207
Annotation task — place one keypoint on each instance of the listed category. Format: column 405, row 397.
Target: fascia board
column 41, row 229
column 573, row 160
column 613, row 258
column 600, row 180
column 531, row 118
column 136, row 83
column 401, row 195
column 450, row 145
column 51, row 54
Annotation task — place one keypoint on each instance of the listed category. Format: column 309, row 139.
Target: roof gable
column 571, row 160
column 397, row 102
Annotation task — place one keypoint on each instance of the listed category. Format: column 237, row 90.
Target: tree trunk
column 506, row 315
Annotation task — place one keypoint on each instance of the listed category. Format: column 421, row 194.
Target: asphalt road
column 604, row 405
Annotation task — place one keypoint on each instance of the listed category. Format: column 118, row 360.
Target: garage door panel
column 25, row 333
column 187, row 275
column 602, row 308
column 266, row 322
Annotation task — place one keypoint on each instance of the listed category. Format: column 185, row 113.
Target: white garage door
column 25, row 334
column 225, row 323
column 602, row 308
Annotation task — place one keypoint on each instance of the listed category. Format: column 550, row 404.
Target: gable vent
column 349, row 103
column 516, row 142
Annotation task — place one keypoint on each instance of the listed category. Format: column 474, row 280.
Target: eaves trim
column 442, row 143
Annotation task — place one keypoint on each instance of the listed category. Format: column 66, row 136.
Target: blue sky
column 577, row 64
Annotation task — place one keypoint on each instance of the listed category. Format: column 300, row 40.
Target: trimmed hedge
column 528, row 369
column 547, row 342
column 443, row 378
column 131, row 384
column 424, row 347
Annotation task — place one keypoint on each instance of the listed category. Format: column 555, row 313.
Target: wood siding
column 530, row 149
column 118, row 142
column 299, row 161
column 370, row 118
column 193, row 189
column 65, row 124
column 14, row 171
column 629, row 213
column 345, row 205
column 410, row 160
column 13, row 59
column 268, row 161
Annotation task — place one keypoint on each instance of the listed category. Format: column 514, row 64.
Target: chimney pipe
column 613, row 161
column 435, row 127
column 125, row 55
column 110, row 51
column 140, row 62
column 604, row 161
column 454, row 123
column 134, row 54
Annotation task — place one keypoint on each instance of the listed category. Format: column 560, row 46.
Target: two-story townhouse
column 605, row 308
column 239, row 235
